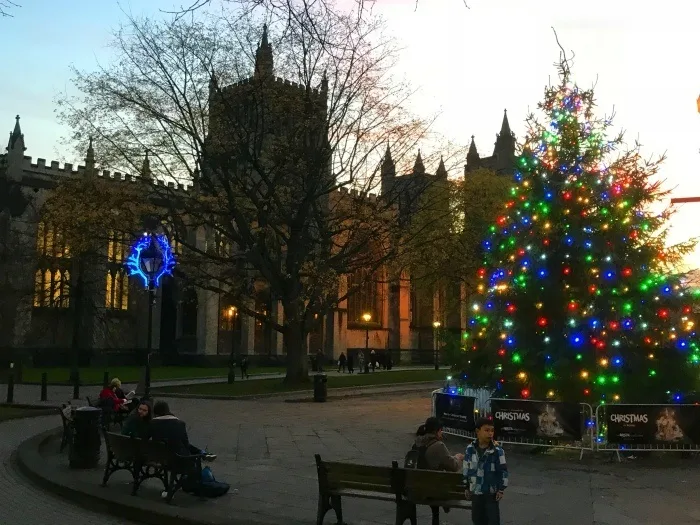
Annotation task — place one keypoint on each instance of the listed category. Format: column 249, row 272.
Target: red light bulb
column 525, row 393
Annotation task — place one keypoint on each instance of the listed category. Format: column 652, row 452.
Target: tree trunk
column 294, row 338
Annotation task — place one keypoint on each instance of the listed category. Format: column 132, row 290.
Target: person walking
column 351, row 363
column 342, row 361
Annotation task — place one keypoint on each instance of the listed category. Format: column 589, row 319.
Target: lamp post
column 436, row 329
column 231, row 313
column 151, row 258
column 366, row 317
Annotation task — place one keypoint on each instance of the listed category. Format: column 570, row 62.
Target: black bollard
column 76, row 385
column 44, row 384
column 11, row 387
column 105, row 380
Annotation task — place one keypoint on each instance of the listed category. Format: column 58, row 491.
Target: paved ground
column 57, row 394
column 266, row 449
column 20, row 501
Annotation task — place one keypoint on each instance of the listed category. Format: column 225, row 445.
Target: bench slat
column 351, row 493
column 363, row 477
column 422, row 485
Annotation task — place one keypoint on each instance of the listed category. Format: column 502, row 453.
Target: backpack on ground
column 207, row 487
column 415, row 458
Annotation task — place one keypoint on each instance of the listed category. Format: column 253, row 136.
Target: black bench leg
column 436, row 515
column 338, row 507
column 405, row 510
column 324, row 505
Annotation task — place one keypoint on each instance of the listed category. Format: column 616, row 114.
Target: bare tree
column 284, row 174
column 5, row 6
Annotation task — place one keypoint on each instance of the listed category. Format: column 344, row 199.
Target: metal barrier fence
column 482, row 408
column 645, row 428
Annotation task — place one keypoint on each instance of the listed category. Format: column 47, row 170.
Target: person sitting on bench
column 173, row 431
column 110, row 399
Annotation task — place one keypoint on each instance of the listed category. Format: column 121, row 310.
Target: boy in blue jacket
column 486, row 474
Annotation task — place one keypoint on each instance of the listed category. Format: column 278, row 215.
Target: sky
column 470, row 63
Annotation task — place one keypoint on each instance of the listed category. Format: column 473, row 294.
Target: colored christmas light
column 576, row 285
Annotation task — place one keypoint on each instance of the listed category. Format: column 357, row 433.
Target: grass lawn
column 270, row 386
column 132, row 374
column 7, row 413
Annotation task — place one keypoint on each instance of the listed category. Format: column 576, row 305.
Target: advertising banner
column 653, row 424
column 514, row 418
column 455, row 411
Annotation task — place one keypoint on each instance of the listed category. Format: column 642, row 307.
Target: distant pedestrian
column 486, row 473
column 319, row 361
column 351, row 363
column 342, row 362
column 361, row 361
column 244, row 367
column 373, row 360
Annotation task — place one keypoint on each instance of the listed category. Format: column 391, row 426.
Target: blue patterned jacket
column 488, row 474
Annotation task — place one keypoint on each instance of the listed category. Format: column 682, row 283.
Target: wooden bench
column 436, row 489
column 146, row 459
column 406, row 488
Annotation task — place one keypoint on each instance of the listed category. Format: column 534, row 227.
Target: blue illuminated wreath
column 134, row 263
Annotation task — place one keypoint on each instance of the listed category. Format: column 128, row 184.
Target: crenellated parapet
column 54, row 171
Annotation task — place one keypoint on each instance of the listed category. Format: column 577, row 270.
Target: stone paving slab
column 21, row 502
column 266, row 449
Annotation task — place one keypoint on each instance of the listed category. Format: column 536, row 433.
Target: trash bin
column 320, row 387
column 85, row 439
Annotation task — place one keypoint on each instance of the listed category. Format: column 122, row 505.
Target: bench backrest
column 156, row 451
column 124, row 448
column 421, row 485
column 357, row 477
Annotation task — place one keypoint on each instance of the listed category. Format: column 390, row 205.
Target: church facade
column 36, row 265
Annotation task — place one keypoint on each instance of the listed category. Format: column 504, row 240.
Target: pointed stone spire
column 388, row 166
column 263, row 56
column 90, row 156
column 146, row 168
column 472, row 154
column 504, row 149
column 418, row 166
column 441, row 172
column 16, row 138
column 505, row 126
column 473, row 159
column 324, row 82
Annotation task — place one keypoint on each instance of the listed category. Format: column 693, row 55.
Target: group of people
column 372, row 362
column 158, row 423
column 147, row 421
column 483, row 465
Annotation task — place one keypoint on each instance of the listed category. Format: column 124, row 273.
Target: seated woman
column 109, row 398
column 138, row 423
column 131, row 402
column 173, row 431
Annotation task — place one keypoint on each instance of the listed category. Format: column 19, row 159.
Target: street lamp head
column 436, row 324
column 367, row 317
column 151, row 259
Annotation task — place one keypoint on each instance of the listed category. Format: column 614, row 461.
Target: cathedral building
column 36, row 265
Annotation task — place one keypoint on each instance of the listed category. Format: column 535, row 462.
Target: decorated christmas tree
column 578, row 299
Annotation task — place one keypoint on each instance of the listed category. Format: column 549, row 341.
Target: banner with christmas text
column 543, row 420
column 653, row 424
column 455, row 411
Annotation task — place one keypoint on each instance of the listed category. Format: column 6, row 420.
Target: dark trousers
column 485, row 510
